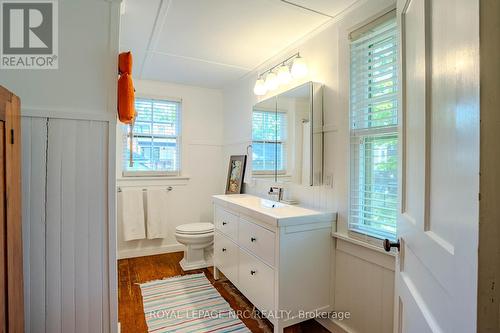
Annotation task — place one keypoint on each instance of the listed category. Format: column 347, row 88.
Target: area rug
column 185, row 304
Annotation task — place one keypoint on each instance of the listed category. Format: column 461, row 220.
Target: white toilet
column 198, row 238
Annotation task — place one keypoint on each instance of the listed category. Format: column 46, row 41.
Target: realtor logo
column 29, row 38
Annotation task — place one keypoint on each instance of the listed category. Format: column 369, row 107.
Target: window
column 374, row 129
column 156, row 139
column 269, row 131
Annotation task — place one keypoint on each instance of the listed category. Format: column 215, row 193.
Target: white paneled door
column 436, row 273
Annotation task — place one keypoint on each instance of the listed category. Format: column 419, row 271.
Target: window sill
column 152, row 180
column 151, row 174
column 263, row 176
column 362, row 243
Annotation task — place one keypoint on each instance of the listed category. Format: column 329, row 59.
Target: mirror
column 287, row 136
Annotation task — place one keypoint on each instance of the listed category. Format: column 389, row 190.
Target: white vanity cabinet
column 279, row 258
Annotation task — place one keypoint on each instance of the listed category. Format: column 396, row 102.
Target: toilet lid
column 195, row 228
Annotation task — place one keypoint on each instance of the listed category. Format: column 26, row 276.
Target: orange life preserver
column 126, row 92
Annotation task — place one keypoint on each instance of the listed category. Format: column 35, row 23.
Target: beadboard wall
column 362, row 276
column 65, row 225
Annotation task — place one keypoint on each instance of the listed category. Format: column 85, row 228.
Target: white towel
column 132, row 210
column 156, row 213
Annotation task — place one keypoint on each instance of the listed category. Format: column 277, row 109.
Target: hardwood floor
column 139, row 270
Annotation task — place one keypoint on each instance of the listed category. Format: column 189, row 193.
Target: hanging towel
column 132, row 210
column 156, row 213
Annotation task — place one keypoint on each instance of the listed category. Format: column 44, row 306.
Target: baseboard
column 150, row 252
column 332, row 326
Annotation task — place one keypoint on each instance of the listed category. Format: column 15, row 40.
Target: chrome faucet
column 276, row 191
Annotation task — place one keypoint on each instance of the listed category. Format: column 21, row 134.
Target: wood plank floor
column 139, row 270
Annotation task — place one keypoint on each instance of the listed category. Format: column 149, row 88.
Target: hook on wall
column 248, row 149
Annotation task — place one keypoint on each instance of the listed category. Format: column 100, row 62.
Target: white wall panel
column 77, row 225
column 34, row 144
column 364, row 287
column 65, row 221
column 87, row 63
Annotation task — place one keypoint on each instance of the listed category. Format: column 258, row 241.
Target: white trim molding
column 169, row 248
column 67, row 113
column 332, row 326
column 365, row 251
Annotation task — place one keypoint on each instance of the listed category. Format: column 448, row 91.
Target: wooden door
column 3, row 282
column 12, row 308
column 436, row 271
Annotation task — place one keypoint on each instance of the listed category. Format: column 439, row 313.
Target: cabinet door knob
column 253, row 239
column 388, row 245
column 253, row 272
column 224, row 223
column 224, row 249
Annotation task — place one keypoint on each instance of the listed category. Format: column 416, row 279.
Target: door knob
column 253, row 272
column 224, row 223
column 388, row 245
column 253, row 239
column 224, row 249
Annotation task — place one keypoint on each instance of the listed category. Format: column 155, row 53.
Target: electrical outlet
column 329, row 180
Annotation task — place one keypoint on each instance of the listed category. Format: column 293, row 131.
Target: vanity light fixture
column 293, row 67
column 260, row 87
column 271, row 81
column 299, row 68
column 284, row 75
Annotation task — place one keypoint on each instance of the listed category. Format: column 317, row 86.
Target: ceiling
column 210, row 43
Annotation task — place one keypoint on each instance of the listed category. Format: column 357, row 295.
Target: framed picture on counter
column 236, row 173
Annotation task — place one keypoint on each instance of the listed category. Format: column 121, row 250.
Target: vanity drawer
column 226, row 222
column 226, row 256
column 257, row 281
column 257, row 240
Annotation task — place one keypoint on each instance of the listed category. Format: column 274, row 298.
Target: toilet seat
column 195, row 228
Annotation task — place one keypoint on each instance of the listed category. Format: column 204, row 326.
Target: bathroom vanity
column 277, row 255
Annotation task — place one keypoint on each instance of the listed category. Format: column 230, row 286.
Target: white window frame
column 160, row 173
column 360, row 134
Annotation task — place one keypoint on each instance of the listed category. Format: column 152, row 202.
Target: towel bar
column 168, row 189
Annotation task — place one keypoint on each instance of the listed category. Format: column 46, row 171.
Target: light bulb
column 299, row 68
column 271, row 81
column 260, row 87
column 284, row 75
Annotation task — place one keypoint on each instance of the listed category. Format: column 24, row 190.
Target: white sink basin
column 271, row 204
column 254, row 202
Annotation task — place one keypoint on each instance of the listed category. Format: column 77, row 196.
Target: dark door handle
column 388, row 245
column 223, row 249
column 253, row 272
column 224, row 223
column 253, row 239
